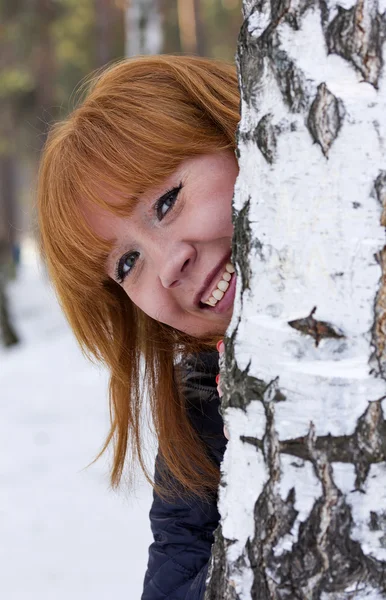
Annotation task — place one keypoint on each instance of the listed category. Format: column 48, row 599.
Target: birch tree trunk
column 144, row 34
column 303, row 494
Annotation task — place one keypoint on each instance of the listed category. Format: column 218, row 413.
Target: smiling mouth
column 220, row 289
column 225, row 301
column 205, row 300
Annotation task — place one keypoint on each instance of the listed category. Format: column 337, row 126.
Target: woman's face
column 171, row 252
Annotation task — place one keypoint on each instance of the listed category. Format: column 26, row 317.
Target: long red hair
column 140, row 118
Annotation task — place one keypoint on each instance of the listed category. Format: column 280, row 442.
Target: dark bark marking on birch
column 378, row 341
column 241, row 243
column 369, row 442
column 366, row 446
column 219, row 586
column 274, row 516
column 320, row 560
column 241, row 387
column 257, row 55
column 380, row 191
column 290, row 79
column 324, row 118
column 350, row 36
column 251, row 64
column 378, row 523
column 296, row 12
column 265, row 137
column 317, row 329
column 324, row 559
column 378, row 358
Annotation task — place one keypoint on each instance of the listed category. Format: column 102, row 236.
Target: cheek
column 210, row 211
column 154, row 303
column 217, row 215
column 221, row 194
column 143, row 299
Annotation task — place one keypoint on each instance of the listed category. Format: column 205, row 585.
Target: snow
column 63, row 532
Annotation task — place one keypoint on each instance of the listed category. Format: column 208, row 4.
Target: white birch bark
column 144, row 33
column 303, row 495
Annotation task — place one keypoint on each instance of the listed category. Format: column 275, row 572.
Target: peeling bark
column 324, row 119
column 303, row 488
column 265, row 136
column 357, row 35
column 319, row 330
column 365, row 446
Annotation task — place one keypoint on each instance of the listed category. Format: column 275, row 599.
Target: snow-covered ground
column 63, row 533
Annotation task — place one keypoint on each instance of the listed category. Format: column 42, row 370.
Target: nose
column 176, row 264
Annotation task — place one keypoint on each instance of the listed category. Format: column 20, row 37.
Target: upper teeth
column 222, row 286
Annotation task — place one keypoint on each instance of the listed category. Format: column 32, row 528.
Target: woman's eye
column 166, row 202
column 125, row 265
column 127, row 262
column 164, row 207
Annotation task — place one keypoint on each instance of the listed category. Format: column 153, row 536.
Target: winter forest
column 302, row 496
column 63, row 532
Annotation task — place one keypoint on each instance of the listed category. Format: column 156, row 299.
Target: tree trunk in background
column 8, row 241
column 103, row 31
column 45, row 71
column 191, row 27
column 8, row 336
column 9, row 207
column 109, row 27
column 303, row 500
column 188, row 11
column 144, row 34
column 201, row 46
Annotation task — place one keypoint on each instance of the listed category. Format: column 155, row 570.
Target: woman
column 134, row 204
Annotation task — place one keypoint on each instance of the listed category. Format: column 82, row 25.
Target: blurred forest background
column 47, row 47
column 63, row 533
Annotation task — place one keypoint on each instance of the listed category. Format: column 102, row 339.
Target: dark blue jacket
column 183, row 529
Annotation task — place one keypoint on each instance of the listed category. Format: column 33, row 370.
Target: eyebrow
column 118, row 251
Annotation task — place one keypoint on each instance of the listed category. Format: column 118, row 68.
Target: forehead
column 104, row 209
column 122, row 210
column 103, row 222
column 105, row 217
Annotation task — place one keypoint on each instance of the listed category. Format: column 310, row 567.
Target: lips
column 227, row 301
column 220, row 288
column 211, row 280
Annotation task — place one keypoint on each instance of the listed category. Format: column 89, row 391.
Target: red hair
column 140, row 119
